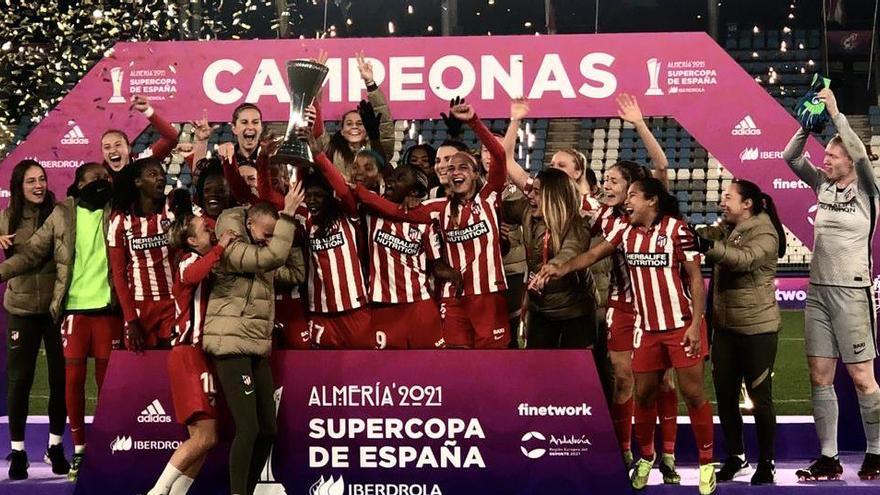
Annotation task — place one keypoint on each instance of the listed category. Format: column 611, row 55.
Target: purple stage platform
column 797, row 443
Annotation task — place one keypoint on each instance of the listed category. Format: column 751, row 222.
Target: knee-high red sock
column 621, row 416
column 667, row 411
column 100, row 371
column 646, row 418
column 701, row 422
column 75, row 397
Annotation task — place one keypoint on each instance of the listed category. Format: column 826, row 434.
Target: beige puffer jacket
column 55, row 239
column 241, row 307
column 744, row 299
column 31, row 292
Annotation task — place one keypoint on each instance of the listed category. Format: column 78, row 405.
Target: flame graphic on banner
column 328, row 486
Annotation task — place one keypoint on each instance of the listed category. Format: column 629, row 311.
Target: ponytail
column 762, row 203
column 770, row 209
column 667, row 204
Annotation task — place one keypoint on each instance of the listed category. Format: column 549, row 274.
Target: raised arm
column 336, row 179
column 168, row 134
column 380, row 105
column 242, row 257
column 237, row 186
column 465, row 112
column 194, row 272
column 393, row 211
column 855, row 148
column 293, row 272
column 628, row 110
column 519, row 108
column 265, row 191
column 798, row 163
column 552, row 271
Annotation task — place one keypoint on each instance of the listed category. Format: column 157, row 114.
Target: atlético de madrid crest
column 661, row 241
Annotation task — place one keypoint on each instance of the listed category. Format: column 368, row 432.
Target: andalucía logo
column 533, row 453
column 154, row 413
column 75, row 136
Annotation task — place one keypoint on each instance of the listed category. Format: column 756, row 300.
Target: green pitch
column 791, row 384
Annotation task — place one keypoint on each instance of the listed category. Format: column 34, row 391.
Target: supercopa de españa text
column 447, row 455
column 443, row 434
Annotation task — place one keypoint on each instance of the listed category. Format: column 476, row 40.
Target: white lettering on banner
column 268, row 82
column 589, row 71
column 491, row 71
column 468, row 77
column 530, row 410
column 790, row 295
column 406, row 78
column 551, row 77
column 387, row 428
column 399, row 78
column 789, row 184
column 209, row 82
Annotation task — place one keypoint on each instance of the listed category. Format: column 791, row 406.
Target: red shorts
column 192, row 384
column 620, row 328
column 157, row 320
column 655, row 351
column 94, row 335
column 414, row 325
column 291, row 325
column 344, row 330
column 478, row 321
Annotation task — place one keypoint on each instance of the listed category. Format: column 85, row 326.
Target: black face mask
column 95, row 194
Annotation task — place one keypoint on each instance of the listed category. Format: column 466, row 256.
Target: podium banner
column 370, row 422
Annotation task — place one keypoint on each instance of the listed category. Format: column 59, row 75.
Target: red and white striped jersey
column 589, row 206
column 655, row 258
column 191, row 291
column 473, row 245
column 620, row 287
column 336, row 281
column 149, row 270
column 399, row 254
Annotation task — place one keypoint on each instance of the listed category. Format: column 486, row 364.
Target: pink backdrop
column 566, row 76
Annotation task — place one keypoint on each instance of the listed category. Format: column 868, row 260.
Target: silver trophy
column 304, row 79
column 267, row 485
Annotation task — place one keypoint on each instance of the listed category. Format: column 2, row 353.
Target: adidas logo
column 746, row 127
column 75, row 136
column 154, row 413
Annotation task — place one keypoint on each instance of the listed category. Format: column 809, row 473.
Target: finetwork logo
column 121, row 444
column 154, row 413
column 528, row 410
column 75, row 136
column 533, row 453
column 746, row 127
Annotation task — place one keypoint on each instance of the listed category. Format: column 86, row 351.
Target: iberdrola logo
column 328, row 486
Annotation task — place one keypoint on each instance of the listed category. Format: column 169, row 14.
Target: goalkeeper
column 840, row 308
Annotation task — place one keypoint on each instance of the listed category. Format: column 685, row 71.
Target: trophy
column 304, row 78
column 653, row 77
column 116, row 75
column 267, row 485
